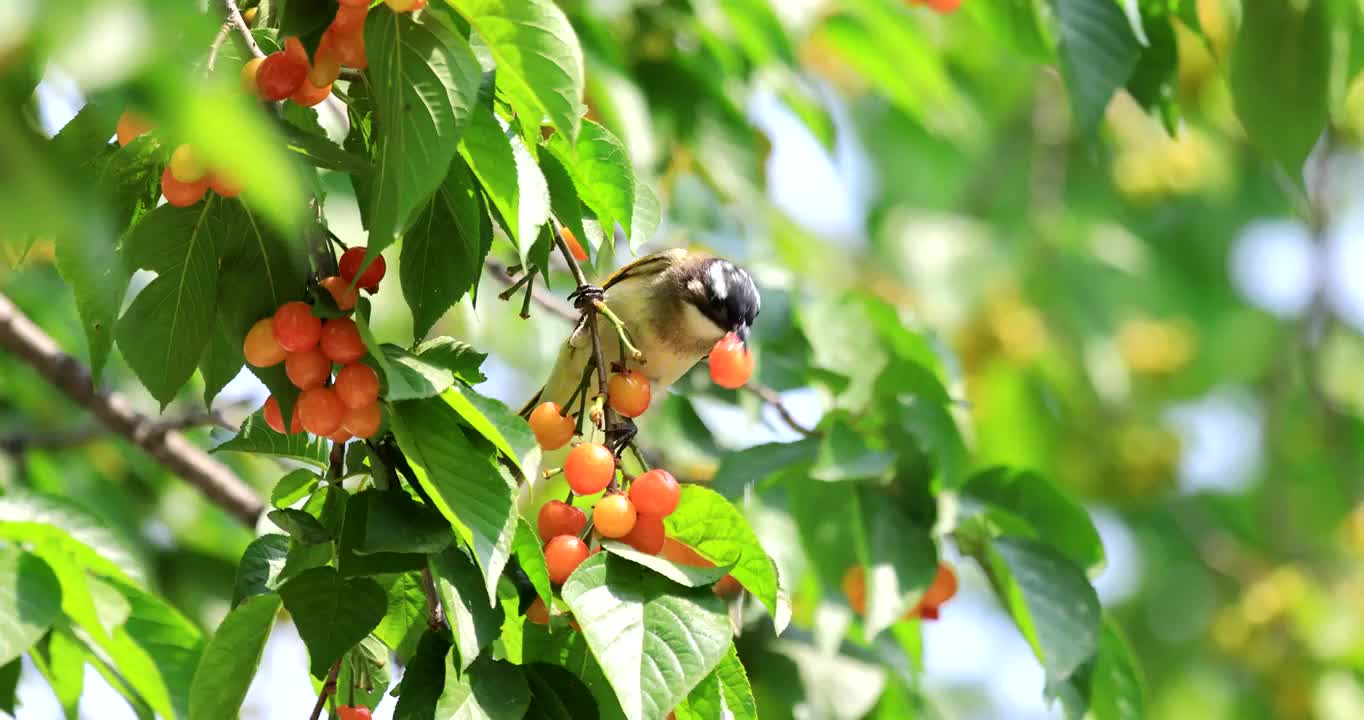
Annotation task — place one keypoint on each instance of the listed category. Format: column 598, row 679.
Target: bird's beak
column 742, row 332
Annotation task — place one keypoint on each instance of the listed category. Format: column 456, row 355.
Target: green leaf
column 563, row 200
column 405, row 620
column 1154, row 80
column 508, row 431
column 321, row 152
column 230, row 659
column 1109, row 686
column 9, row 686
column 89, row 263
column 557, row 694
column 713, row 527
column 1049, row 599
column 293, row 487
column 408, row 376
column 424, row 678
column 221, row 361
column 645, row 217
column 725, row 692
column 899, row 558
column 332, row 614
column 464, row 481
column 473, row 622
column 601, row 170
column 300, row 525
column 425, row 81
column 1282, row 96
column 261, row 566
column 509, row 176
column 165, row 330
column 1098, row 54
column 442, row 255
column 30, row 601
column 397, row 523
column 61, row 660
column 354, row 528
column 750, row 466
column 530, row 555
column 1026, row 504
column 655, row 640
column 365, row 668
column 488, row 690
column 257, row 438
column 539, row 63
column 844, row 454
column 684, row 575
column 458, row 357
column 170, row 642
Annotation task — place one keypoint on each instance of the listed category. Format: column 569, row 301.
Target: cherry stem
column 328, row 689
column 624, row 336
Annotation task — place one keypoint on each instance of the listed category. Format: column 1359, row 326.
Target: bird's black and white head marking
column 726, row 295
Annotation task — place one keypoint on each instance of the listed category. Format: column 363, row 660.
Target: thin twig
column 217, row 45
column 328, row 689
column 174, row 451
column 234, row 16
column 435, row 618
column 621, row 332
column 773, row 398
column 542, row 297
column 73, row 437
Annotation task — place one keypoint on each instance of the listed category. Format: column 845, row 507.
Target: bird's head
column 724, row 293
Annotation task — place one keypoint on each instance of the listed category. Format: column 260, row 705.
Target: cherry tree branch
column 234, row 16
column 25, row 340
column 73, row 437
column 328, row 690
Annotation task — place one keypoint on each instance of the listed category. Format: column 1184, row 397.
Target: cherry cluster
column 185, row 179
column 341, row 408
column 943, row 588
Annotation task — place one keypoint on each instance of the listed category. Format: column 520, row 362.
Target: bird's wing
column 651, row 263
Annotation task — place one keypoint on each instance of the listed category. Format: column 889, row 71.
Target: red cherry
column 552, row 430
column 350, row 266
column 341, row 341
column 731, row 364
column 130, row 127
column 557, row 517
column 342, row 293
column 537, row 612
column 280, row 75
column 648, row 534
column 260, row 347
column 629, row 393
column 296, row 328
column 275, row 419
column 363, row 422
column 357, row 385
column 574, row 247
column 320, row 411
column 614, row 516
column 353, row 712
column 563, row 555
column 307, row 369
column 309, row 95
column 589, row 468
column 655, row 493
column 854, row 586
column 181, row 194
column 250, row 70
column 223, row 186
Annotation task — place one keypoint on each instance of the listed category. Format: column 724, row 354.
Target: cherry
column 341, row 341
column 855, row 588
column 354, row 3
column 683, row 554
column 221, row 185
column 249, row 16
column 309, row 95
column 280, row 75
column 130, row 127
column 363, row 422
column 726, row 586
column 181, row 194
column 574, row 247
column 275, row 419
column 944, row 6
column 307, row 369
column 943, row 588
column 731, row 364
column 563, row 555
column 341, row 291
column 399, row 6
column 614, row 516
column 349, row 45
column 552, row 430
column 589, row 468
column 357, row 385
column 353, row 712
column 629, row 393
column 341, row 437
column 655, row 493
column 250, row 71
column 648, row 534
column 260, row 346
column 559, row 518
column 185, row 166
column 296, row 328
column 350, row 266
column 537, row 612
column 326, row 66
column 320, row 411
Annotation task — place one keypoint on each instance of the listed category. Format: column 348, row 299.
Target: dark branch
column 74, row 437
column 328, row 690
column 174, row 451
column 773, row 398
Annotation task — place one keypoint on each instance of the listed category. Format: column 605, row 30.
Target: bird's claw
column 585, row 295
column 620, row 436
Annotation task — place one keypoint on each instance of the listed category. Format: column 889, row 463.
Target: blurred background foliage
column 1151, row 311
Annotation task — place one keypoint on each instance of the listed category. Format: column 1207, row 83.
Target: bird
column 675, row 305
